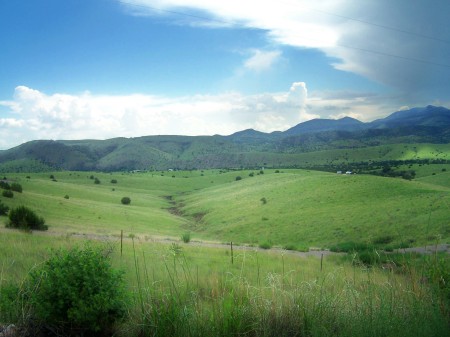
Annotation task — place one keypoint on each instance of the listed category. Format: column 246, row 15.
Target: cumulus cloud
column 37, row 115
column 398, row 43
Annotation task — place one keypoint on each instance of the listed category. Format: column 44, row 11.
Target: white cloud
column 262, row 60
column 36, row 115
column 375, row 39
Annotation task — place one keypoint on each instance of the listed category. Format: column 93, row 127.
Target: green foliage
column 9, row 302
column 3, row 209
column 96, row 181
column 238, row 178
column 4, row 185
column 66, row 196
column 186, row 237
column 8, row 193
column 16, row 187
column 125, row 201
column 113, row 181
column 24, row 218
column 263, row 200
column 290, row 247
column 350, row 246
column 77, row 292
column 383, row 240
column 265, row 245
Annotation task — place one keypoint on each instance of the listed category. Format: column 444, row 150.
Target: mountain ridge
column 243, row 148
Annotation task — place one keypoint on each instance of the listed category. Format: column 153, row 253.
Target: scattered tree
column 8, row 194
column 16, row 187
column 238, row 178
column 24, row 218
column 97, row 181
column 4, row 185
column 113, row 181
column 3, row 209
column 125, row 201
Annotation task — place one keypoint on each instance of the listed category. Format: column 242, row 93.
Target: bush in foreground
column 24, row 218
column 125, row 201
column 76, row 292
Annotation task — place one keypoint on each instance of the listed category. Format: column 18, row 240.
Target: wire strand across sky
column 351, row 47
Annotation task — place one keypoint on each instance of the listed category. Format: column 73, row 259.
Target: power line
column 338, row 45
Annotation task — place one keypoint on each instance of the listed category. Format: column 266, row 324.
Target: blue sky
column 78, row 69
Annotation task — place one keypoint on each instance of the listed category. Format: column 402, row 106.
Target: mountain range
column 247, row 148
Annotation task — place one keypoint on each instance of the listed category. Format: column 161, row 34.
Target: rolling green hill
column 296, row 208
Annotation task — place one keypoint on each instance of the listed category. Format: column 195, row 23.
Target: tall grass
column 183, row 290
column 363, row 302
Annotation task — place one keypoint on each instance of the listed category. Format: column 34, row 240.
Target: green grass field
column 178, row 289
column 293, row 207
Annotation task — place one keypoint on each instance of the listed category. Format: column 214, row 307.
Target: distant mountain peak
column 322, row 124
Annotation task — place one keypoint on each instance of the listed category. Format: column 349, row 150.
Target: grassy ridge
column 318, row 209
column 294, row 208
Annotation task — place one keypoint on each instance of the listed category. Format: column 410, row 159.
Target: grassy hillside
column 296, row 208
column 319, row 209
column 177, row 289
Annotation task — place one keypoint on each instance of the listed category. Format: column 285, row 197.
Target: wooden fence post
column 121, row 242
column 232, row 252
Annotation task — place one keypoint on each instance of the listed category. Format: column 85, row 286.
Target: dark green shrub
column 186, row 237
column 383, row 240
column 251, row 174
column 96, row 181
column 77, row 292
column 24, row 218
column 8, row 194
column 238, row 178
column 265, row 245
column 113, row 181
column 16, row 187
column 125, row 201
column 4, row 185
column 66, row 196
column 3, row 209
column 263, row 200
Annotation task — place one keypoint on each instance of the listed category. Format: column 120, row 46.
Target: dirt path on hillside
column 167, row 240
column 211, row 244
